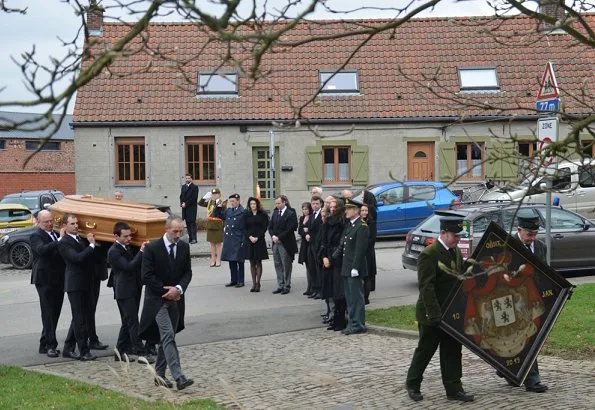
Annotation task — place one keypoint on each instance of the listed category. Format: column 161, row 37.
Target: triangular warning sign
column 549, row 86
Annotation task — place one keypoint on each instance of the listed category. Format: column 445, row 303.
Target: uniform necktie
column 172, row 257
column 453, row 254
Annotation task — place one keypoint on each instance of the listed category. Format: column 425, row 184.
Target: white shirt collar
column 354, row 220
column 443, row 244
column 75, row 237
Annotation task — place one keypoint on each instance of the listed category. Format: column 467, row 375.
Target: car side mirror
column 46, row 205
column 586, row 227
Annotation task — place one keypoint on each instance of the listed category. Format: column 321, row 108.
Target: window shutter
column 359, row 165
column 501, row 160
column 447, row 161
column 314, row 165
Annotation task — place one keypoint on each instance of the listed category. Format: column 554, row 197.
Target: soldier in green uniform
column 434, row 287
column 355, row 246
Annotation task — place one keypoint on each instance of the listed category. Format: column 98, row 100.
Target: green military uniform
column 434, row 287
column 355, row 246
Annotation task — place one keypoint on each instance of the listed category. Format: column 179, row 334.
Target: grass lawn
column 23, row 389
column 573, row 335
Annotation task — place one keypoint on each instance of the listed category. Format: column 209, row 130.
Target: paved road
column 318, row 369
column 214, row 312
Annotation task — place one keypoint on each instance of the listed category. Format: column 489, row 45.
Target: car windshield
column 14, row 215
column 30, row 202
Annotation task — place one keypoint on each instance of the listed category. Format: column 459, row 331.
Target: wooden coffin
column 98, row 215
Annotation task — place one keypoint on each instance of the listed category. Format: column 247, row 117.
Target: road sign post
column 548, row 100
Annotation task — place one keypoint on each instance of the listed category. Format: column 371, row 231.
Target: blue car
column 403, row 205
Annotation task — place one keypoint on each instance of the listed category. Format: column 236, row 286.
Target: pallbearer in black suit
column 189, row 204
column 80, row 266
column 527, row 233
column 166, row 273
column 126, row 269
column 434, row 287
column 48, row 277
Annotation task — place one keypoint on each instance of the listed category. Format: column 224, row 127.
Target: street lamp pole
column 272, row 166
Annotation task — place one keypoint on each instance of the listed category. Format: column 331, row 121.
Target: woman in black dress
column 303, row 231
column 256, row 222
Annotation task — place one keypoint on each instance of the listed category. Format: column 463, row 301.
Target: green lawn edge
column 572, row 337
column 26, row 389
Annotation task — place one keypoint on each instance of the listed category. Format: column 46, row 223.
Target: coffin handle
column 90, row 225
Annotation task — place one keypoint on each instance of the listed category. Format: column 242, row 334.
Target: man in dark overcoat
column 528, row 228
column 234, row 248
column 314, row 261
column 354, row 267
column 166, row 274
column 126, row 270
column 189, row 204
column 283, row 224
column 47, row 275
column 434, row 287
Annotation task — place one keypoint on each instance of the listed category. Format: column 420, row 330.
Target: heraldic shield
column 505, row 308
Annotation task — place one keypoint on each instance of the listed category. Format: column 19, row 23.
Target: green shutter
column 447, row 161
column 501, row 160
column 314, row 165
column 359, row 165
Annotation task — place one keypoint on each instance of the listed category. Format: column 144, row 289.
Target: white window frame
column 328, row 81
column 478, row 79
column 206, row 85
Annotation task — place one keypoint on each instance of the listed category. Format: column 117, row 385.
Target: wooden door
column 420, row 161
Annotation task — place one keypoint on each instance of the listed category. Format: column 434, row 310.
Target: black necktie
column 172, row 257
column 53, row 235
column 529, row 247
column 453, row 253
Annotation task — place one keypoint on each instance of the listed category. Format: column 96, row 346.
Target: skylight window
column 339, row 82
column 478, row 79
column 218, row 84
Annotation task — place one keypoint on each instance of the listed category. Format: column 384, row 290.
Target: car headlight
column 3, row 240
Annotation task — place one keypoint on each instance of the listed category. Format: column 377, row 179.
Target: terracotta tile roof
column 420, row 50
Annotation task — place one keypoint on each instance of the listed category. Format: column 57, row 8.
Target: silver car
column 573, row 185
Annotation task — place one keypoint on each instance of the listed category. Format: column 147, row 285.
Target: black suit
column 189, row 196
column 80, row 267
column 157, row 272
column 47, row 275
column 126, row 267
column 99, row 275
column 284, row 226
column 314, row 261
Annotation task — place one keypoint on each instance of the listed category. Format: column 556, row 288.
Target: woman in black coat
column 256, row 222
column 303, row 231
column 370, row 281
column 330, row 252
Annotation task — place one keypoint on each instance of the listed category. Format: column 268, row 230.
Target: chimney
column 552, row 8
column 95, row 19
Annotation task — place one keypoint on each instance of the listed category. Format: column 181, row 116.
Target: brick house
column 145, row 126
column 51, row 168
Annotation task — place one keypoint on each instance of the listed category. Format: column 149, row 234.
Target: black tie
column 53, row 235
column 529, row 247
column 453, row 254
column 172, row 257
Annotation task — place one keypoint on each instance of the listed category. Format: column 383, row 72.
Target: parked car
column 34, row 200
column 13, row 217
column 15, row 248
column 573, row 236
column 403, row 205
column 573, row 184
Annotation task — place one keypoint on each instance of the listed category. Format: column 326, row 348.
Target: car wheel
column 20, row 255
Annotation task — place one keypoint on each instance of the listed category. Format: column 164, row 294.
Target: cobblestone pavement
column 318, row 369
